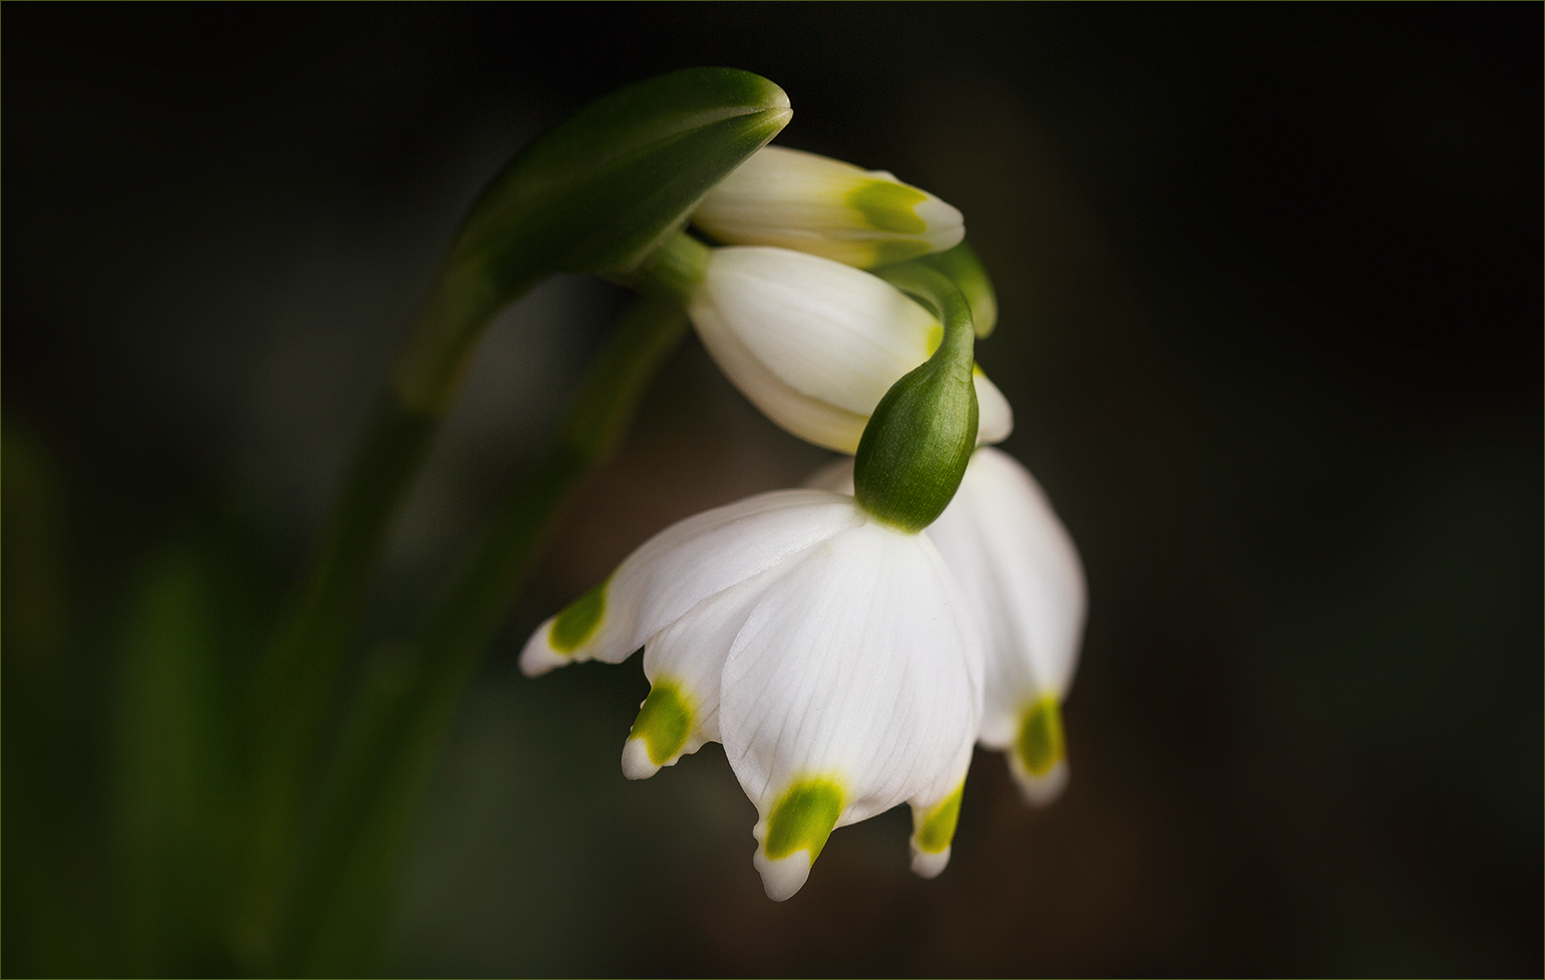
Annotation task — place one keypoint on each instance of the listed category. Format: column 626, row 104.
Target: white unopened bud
column 816, row 344
column 825, row 207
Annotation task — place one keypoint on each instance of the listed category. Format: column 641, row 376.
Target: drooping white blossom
column 1020, row 574
column 834, row 657
column 815, row 344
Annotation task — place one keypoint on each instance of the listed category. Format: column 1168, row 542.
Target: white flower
column 832, row 655
column 1021, row 577
column 829, row 208
column 815, row 344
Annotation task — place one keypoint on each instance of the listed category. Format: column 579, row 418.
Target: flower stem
column 401, row 721
column 299, row 679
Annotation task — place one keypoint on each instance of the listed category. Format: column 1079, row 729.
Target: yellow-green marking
column 888, row 206
column 937, row 827
column 578, row 621
column 804, row 818
column 664, row 722
column 1041, row 745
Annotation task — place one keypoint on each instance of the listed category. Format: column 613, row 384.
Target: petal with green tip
column 1022, row 577
column 661, row 733
column 794, row 832
column 860, row 664
column 1038, row 757
column 933, row 828
column 820, row 206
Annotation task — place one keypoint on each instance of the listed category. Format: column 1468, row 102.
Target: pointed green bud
column 596, row 193
column 914, row 450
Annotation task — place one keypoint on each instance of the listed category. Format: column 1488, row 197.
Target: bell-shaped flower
column 831, row 653
column 1021, row 577
column 825, row 207
column 815, row 344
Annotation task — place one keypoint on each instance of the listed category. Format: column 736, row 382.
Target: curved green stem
column 299, row 680
column 353, row 857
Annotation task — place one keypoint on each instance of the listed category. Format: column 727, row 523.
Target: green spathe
column 596, row 193
column 804, row 818
column 579, row 620
column 599, row 190
column 664, row 721
column 914, row 450
column 1041, row 744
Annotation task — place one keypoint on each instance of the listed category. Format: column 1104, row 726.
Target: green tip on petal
column 889, row 206
column 804, row 818
column 795, row 833
column 1040, row 744
column 937, row 827
column 933, row 830
column 663, row 724
column 1038, row 757
column 578, row 622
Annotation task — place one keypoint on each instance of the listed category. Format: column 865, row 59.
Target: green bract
column 919, row 439
column 596, row 193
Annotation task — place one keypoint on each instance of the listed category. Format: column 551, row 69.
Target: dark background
column 1270, row 290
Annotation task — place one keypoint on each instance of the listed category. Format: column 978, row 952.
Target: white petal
column 929, row 864
column 836, row 476
column 861, row 665
column 689, row 656
column 1021, row 574
column 782, row 877
column 812, row 343
column 636, row 763
column 995, row 418
column 689, row 562
column 1039, row 789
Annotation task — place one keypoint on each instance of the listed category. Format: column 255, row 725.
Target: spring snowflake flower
column 815, row 344
column 1021, row 577
column 825, row 207
column 832, row 654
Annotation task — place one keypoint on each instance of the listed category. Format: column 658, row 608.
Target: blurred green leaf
column 188, row 647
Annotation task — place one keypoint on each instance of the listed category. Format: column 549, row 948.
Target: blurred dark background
column 1271, row 323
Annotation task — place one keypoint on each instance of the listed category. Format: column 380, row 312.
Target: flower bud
column 825, row 207
column 915, row 449
column 815, row 344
